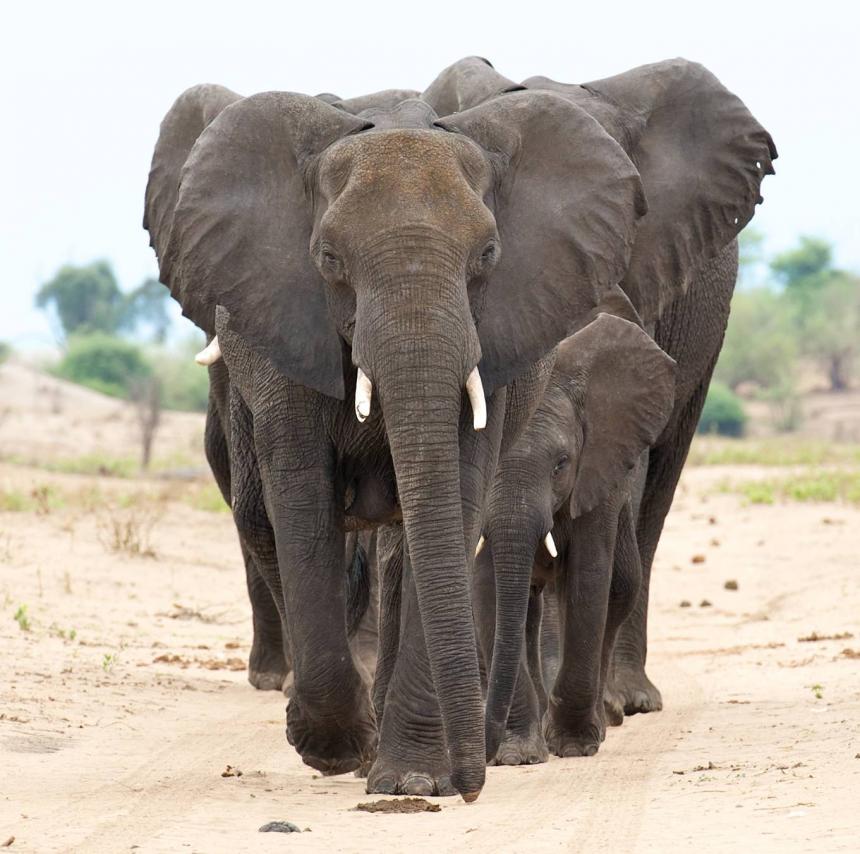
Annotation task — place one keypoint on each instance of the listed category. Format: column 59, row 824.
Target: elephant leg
column 268, row 662
column 389, row 560
column 523, row 742
column 632, row 685
column 411, row 759
column 626, row 580
column 550, row 640
column 575, row 722
column 330, row 719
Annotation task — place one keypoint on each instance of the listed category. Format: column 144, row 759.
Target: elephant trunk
column 514, row 535
column 418, row 365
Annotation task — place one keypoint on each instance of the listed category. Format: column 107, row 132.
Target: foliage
column 777, row 451
column 751, row 254
column 760, row 344
column 812, row 486
column 800, row 266
column 104, row 363
column 5, row 351
column 86, row 299
column 723, row 412
column 184, row 384
column 146, row 306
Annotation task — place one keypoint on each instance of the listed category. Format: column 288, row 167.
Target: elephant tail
column 357, row 588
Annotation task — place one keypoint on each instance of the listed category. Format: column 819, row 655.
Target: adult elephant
column 701, row 156
column 418, row 268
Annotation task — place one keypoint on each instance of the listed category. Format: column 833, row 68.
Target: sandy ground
column 117, row 739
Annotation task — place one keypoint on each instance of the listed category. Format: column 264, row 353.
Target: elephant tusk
column 480, row 545
column 363, row 392
column 210, row 354
column 549, row 542
column 475, row 390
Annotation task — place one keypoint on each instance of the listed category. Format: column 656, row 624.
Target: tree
column 750, row 254
column 830, row 327
column 803, row 267
column 146, row 305
column 146, row 396
column 86, row 299
column 760, row 345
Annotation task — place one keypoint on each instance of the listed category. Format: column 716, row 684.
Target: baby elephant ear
column 190, row 115
column 566, row 201
column 629, row 395
column 466, row 83
column 242, row 227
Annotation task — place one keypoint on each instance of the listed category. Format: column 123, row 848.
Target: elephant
column 383, row 289
column 702, row 157
column 560, row 513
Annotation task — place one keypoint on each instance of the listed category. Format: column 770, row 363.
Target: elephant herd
column 459, row 341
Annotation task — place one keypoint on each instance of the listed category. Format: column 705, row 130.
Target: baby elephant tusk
column 210, row 354
column 363, row 391
column 549, row 542
column 480, row 545
column 475, row 390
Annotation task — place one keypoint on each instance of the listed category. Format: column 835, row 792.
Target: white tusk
column 549, row 542
column 363, row 391
column 475, row 390
column 480, row 545
column 210, row 354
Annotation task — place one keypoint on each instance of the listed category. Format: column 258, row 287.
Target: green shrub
column 104, row 363
column 184, row 384
column 723, row 412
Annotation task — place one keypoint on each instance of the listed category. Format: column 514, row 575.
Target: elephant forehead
column 414, row 162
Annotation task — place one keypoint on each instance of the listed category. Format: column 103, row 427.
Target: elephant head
column 609, row 397
column 417, row 251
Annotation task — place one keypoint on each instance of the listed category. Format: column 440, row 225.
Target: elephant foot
column 522, row 748
column 390, row 776
column 574, row 738
column 636, row 692
column 267, row 665
column 333, row 746
column 613, row 707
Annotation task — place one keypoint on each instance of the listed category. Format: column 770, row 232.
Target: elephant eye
column 328, row 258
column 561, row 465
column 488, row 256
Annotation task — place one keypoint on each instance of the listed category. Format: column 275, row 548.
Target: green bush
column 104, row 363
column 723, row 412
column 184, row 384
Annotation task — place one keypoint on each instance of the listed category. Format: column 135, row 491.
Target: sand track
column 126, row 753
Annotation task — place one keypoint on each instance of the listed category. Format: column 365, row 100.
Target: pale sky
column 87, row 84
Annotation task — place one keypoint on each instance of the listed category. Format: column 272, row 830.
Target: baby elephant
column 562, row 511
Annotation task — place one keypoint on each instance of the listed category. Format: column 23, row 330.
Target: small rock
column 230, row 771
column 280, row 827
column 704, row 604
column 685, row 603
column 697, row 559
column 712, row 520
column 731, row 584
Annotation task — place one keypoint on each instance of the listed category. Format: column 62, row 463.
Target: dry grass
column 820, row 485
column 777, row 451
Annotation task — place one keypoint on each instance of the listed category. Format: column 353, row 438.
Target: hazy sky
column 87, row 84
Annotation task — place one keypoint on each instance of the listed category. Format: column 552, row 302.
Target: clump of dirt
column 705, row 603
column 697, row 559
column 850, row 653
column 230, row 771
column 731, row 584
column 279, row 827
column 814, row 637
column 685, row 603
column 401, row 805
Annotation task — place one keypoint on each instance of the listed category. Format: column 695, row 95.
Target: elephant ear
column 242, row 227
column 629, row 393
column 702, row 157
column 566, row 200
column 189, row 116
column 466, row 83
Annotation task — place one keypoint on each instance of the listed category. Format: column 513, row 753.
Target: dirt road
column 120, row 707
